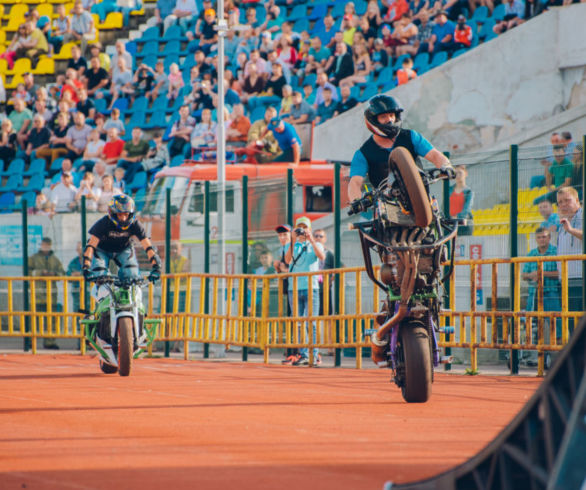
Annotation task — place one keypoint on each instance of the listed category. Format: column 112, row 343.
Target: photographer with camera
column 303, row 255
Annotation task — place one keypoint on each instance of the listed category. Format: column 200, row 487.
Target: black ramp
column 544, row 447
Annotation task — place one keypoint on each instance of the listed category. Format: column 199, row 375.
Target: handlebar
column 116, row 281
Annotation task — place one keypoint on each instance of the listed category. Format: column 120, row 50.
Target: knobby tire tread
column 418, row 365
column 125, row 345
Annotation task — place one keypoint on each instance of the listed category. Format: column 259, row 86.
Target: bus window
column 318, row 199
column 197, row 201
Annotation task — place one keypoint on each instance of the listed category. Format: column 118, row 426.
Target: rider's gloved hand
column 449, row 171
column 155, row 274
column 86, row 272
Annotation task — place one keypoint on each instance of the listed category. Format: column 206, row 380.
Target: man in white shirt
column 184, row 10
column 63, row 194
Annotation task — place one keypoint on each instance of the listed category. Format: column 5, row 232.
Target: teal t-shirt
column 304, row 260
column 18, row 118
column 561, row 171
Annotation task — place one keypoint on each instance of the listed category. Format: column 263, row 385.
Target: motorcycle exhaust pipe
column 378, row 340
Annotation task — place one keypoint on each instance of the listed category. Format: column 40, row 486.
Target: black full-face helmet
column 383, row 104
column 122, row 203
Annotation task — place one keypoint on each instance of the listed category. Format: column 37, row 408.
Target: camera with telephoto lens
column 299, row 231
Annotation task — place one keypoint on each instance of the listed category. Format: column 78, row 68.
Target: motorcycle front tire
column 125, row 345
column 420, row 205
column 416, row 344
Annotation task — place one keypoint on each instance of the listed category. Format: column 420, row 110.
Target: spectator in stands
column 577, row 175
column 288, row 140
column 120, row 52
column 31, row 87
column 286, row 53
column 85, row 105
column 175, row 82
column 570, row 242
column 266, row 44
column 209, row 36
column 158, row 156
column 379, row 57
column 326, row 109
column 91, row 192
column 112, row 150
column 373, row 15
column 406, row 72
column 301, row 111
column 60, row 27
column 317, row 57
column 463, row 34
column 474, row 4
column 77, row 62
column 551, row 282
column 181, row 131
column 58, row 141
column 63, row 194
column 96, row 52
column 184, row 10
column 276, row 82
column 286, row 101
column 346, row 102
column 34, row 45
column 328, row 263
column 568, row 144
column 82, row 26
column 133, row 154
column 38, row 137
column 237, row 132
column 262, row 67
column 21, row 93
column 119, row 183
column 114, row 121
column 322, row 82
column 161, row 82
column 99, row 171
column 514, row 13
column 121, row 81
column 71, row 87
column 143, row 80
column 204, row 133
column 461, row 196
column 342, row 66
column 96, row 79
column 533, row 8
column 163, row 9
column 93, row 151
column 8, row 142
column 404, row 34
column 21, row 118
column 10, row 55
column 362, row 66
column 348, row 29
column 287, row 31
column 559, row 174
column 77, row 137
column 107, row 193
column 327, row 33
column 46, row 264
column 442, row 37
column 394, row 10
column 252, row 85
column 43, row 206
column 551, row 220
column 261, row 140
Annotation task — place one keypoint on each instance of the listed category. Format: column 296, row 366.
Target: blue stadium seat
column 77, row 163
column 301, row 25
column 139, row 182
column 499, row 12
column 459, row 52
column 355, row 92
column 173, row 34
column 298, row 12
column 16, row 167
column 77, row 177
column 12, row 184
column 257, row 114
column 369, row 91
column 132, row 48
column 150, row 60
column 137, row 119
column 35, row 184
column 388, row 86
column 121, row 104
column 176, row 105
column 149, row 48
column 140, row 105
column 100, row 105
column 310, row 79
column 151, row 34
column 385, row 76
column 158, row 120
column 438, row 59
column 7, row 202
column 480, row 14
column 318, row 12
column 169, row 60
column 360, row 7
column 399, row 62
column 159, row 104
column 30, row 198
column 176, row 161
column 338, row 10
column 37, row 166
column 55, row 167
column 55, row 179
column 140, row 198
column 486, row 33
column 172, row 48
column 420, row 62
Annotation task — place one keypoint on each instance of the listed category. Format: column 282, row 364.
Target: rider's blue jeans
column 303, row 310
column 125, row 260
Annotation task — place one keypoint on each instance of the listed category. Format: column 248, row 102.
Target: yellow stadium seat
column 45, row 66
column 3, row 66
column 113, row 21
column 137, row 12
column 65, row 53
column 21, row 66
column 68, row 7
column 16, row 79
column 45, row 9
column 2, row 36
column 8, row 2
column 16, row 17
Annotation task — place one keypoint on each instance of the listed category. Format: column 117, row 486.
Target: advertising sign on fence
column 11, row 243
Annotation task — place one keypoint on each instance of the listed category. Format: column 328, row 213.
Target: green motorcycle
column 117, row 329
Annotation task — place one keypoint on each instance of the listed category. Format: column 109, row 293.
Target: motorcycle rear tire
column 415, row 343
column 420, row 205
column 107, row 368
column 125, row 345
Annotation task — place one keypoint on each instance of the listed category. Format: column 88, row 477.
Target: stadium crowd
column 108, row 123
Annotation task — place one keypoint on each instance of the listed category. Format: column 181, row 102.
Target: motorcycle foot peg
column 447, row 329
column 446, row 359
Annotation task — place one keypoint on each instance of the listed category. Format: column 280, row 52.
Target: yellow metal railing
column 250, row 310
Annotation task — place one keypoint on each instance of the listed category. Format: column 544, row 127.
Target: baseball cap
column 303, row 220
column 211, row 12
column 461, row 17
column 43, row 21
column 283, row 228
column 275, row 121
column 441, row 12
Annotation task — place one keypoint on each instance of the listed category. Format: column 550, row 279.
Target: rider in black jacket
column 383, row 119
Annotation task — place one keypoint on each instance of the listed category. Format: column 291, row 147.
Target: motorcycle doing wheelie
column 410, row 236
column 117, row 329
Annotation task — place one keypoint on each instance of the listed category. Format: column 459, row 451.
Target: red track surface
column 216, row 425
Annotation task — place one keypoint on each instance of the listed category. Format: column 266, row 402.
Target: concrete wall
column 498, row 91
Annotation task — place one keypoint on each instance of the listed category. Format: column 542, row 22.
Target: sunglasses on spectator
column 318, row 235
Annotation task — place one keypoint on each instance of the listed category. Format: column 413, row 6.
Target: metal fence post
column 168, row 259
column 83, row 241
column 245, row 248
column 290, row 197
column 25, row 272
column 583, row 224
column 446, row 211
column 337, row 255
column 513, row 245
column 206, row 260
